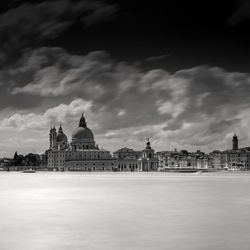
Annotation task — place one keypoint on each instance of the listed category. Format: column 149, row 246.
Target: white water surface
column 132, row 211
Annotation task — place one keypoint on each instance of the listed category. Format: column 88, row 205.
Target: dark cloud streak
column 30, row 25
column 241, row 14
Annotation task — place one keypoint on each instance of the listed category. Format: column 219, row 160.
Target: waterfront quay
column 84, row 154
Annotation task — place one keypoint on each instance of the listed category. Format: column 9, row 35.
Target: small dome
column 61, row 137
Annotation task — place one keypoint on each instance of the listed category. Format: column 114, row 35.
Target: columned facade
column 148, row 161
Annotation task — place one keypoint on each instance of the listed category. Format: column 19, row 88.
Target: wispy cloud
column 157, row 58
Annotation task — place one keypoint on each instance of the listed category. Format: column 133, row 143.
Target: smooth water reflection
column 124, row 211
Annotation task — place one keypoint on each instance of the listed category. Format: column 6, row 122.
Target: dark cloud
column 18, row 102
column 32, row 24
column 241, row 14
column 217, row 128
column 99, row 15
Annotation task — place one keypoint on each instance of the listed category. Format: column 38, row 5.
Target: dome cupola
column 82, row 122
column 82, row 137
column 61, row 137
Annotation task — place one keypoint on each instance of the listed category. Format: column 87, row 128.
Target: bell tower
column 235, row 142
column 52, row 137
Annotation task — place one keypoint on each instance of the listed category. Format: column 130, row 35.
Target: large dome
column 81, row 133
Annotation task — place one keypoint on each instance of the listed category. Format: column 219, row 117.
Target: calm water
column 124, row 211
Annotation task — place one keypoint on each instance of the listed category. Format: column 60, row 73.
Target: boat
column 199, row 172
column 29, row 171
column 181, row 170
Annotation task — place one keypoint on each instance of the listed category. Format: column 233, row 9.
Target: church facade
column 82, row 154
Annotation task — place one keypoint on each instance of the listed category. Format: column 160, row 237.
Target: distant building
column 232, row 159
column 236, row 159
column 131, row 160
column 5, row 163
column 182, row 159
column 216, row 159
column 148, row 161
column 128, row 163
column 162, row 158
column 127, row 152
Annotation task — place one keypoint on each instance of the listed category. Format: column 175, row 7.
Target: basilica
column 83, row 154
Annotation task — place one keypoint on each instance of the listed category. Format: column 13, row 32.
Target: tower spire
column 82, row 122
column 60, row 129
column 148, row 144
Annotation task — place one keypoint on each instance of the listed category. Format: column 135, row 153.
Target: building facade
column 131, row 160
column 148, row 161
column 232, row 159
column 182, row 160
column 126, row 153
column 216, row 159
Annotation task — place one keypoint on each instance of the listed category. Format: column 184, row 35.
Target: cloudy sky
column 177, row 73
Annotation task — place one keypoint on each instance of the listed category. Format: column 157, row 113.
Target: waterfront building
column 182, row 159
column 232, row 159
column 128, row 163
column 127, row 159
column 131, row 160
column 148, row 161
column 162, row 158
column 82, row 154
column 236, row 159
column 202, row 162
column 216, row 159
column 127, row 152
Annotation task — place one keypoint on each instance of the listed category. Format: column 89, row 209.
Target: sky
column 176, row 72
